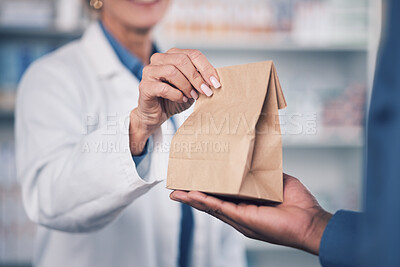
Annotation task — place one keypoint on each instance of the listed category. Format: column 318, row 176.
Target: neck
column 137, row 41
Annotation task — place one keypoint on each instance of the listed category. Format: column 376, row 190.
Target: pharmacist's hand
column 170, row 84
column 298, row 222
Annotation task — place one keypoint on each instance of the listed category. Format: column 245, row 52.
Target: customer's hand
column 298, row 222
column 169, row 86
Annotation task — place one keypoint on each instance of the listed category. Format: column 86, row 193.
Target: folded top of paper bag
column 231, row 144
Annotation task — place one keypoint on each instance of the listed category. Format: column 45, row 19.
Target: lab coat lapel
column 102, row 56
column 108, row 69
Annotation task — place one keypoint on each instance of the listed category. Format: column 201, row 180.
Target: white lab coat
column 79, row 181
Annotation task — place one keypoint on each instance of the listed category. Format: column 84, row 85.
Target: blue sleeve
column 339, row 240
column 137, row 159
column 143, row 161
column 379, row 239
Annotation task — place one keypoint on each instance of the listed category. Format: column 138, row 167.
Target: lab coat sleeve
column 72, row 179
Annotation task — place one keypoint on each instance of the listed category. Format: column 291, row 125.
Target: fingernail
column 206, row 89
column 194, row 94
column 185, row 99
column 215, row 82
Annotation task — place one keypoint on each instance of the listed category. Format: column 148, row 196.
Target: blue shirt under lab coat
column 372, row 238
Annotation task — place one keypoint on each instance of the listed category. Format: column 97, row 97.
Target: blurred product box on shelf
column 69, row 14
column 328, row 117
column 330, row 21
column 26, row 13
column 7, row 101
column 345, row 108
column 63, row 15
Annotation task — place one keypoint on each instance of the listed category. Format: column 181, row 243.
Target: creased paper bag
column 231, row 144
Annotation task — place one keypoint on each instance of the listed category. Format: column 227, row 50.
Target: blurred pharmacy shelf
column 28, row 30
column 327, row 144
column 11, row 33
column 286, row 24
column 264, row 45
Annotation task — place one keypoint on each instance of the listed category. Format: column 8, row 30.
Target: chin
column 146, row 24
column 142, row 14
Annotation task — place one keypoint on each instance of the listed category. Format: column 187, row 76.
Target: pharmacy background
column 324, row 52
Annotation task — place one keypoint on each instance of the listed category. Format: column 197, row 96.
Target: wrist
column 139, row 132
column 312, row 239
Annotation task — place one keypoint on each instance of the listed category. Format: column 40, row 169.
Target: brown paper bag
column 231, row 144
